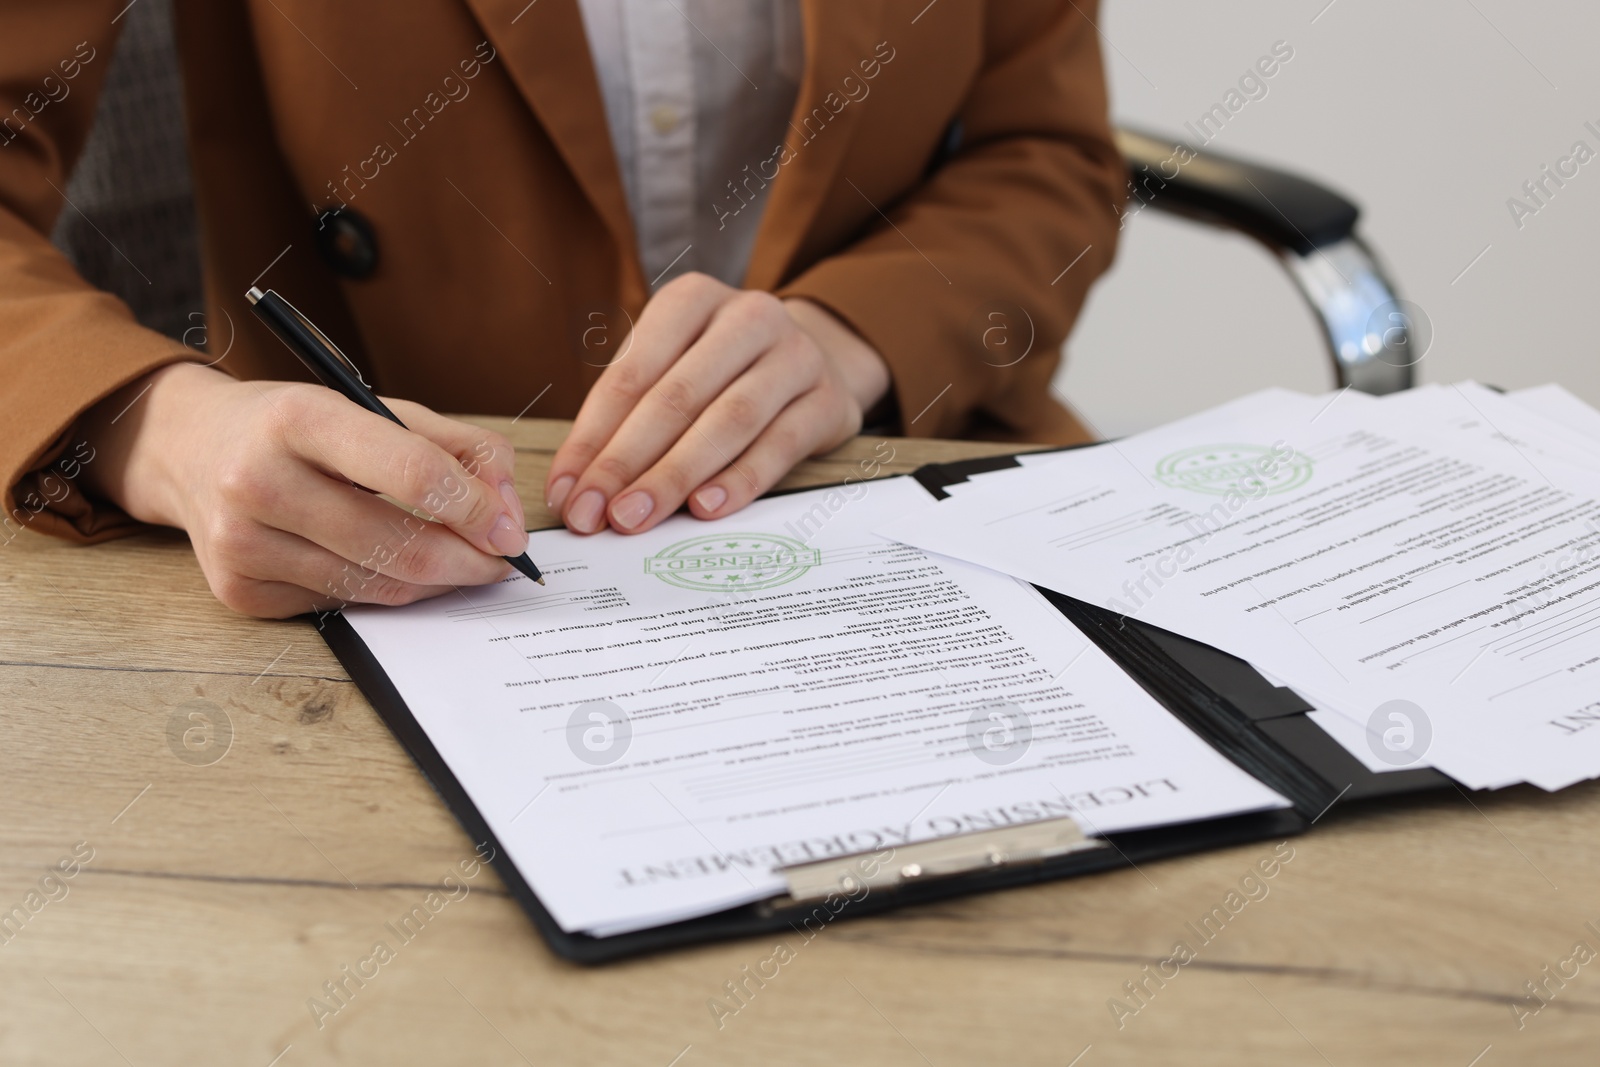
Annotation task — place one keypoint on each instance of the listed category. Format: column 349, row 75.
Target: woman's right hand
column 266, row 478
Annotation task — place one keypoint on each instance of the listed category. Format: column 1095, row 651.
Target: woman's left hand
column 719, row 393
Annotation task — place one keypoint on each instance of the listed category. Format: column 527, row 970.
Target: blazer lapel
column 546, row 52
column 838, row 37
column 544, row 48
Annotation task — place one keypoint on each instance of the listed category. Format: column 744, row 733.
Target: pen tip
column 525, row 565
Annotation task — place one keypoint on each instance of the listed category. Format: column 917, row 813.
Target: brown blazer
column 471, row 135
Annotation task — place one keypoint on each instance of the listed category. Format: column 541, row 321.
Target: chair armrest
column 1375, row 338
column 1281, row 209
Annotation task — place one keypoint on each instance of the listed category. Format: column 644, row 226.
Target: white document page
column 1558, row 405
column 683, row 711
column 1438, row 550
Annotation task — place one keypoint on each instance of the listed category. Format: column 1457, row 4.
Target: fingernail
column 559, row 491
column 632, row 509
column 507, row 537
column 711, row 498
column 508, row 493
column 585, row 514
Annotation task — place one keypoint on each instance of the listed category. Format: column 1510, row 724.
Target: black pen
column 323, row 358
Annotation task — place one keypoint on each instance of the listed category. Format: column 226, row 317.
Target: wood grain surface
column 227, row 886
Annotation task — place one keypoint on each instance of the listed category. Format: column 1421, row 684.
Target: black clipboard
column 1261, row 727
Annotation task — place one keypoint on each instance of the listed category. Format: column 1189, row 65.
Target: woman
column 724, row 235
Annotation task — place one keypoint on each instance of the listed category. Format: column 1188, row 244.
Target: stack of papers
column 1424, row 568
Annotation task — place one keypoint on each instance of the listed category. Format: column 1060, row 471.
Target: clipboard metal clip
column 923, row 861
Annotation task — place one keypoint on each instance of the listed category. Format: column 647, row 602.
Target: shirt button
column 665, row 118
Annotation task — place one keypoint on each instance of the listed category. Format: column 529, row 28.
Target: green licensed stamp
column 1250, row 470
column 743, row 561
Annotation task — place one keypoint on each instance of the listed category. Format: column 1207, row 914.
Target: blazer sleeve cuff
column 63, row 355
column 941, row 382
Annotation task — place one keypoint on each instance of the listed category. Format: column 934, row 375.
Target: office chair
column 133, row 182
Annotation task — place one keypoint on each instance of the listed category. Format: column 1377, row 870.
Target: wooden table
column 222, row 895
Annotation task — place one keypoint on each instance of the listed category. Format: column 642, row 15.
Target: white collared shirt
column 698, row 93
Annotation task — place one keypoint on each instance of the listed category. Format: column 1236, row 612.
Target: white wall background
column 1430, row 114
